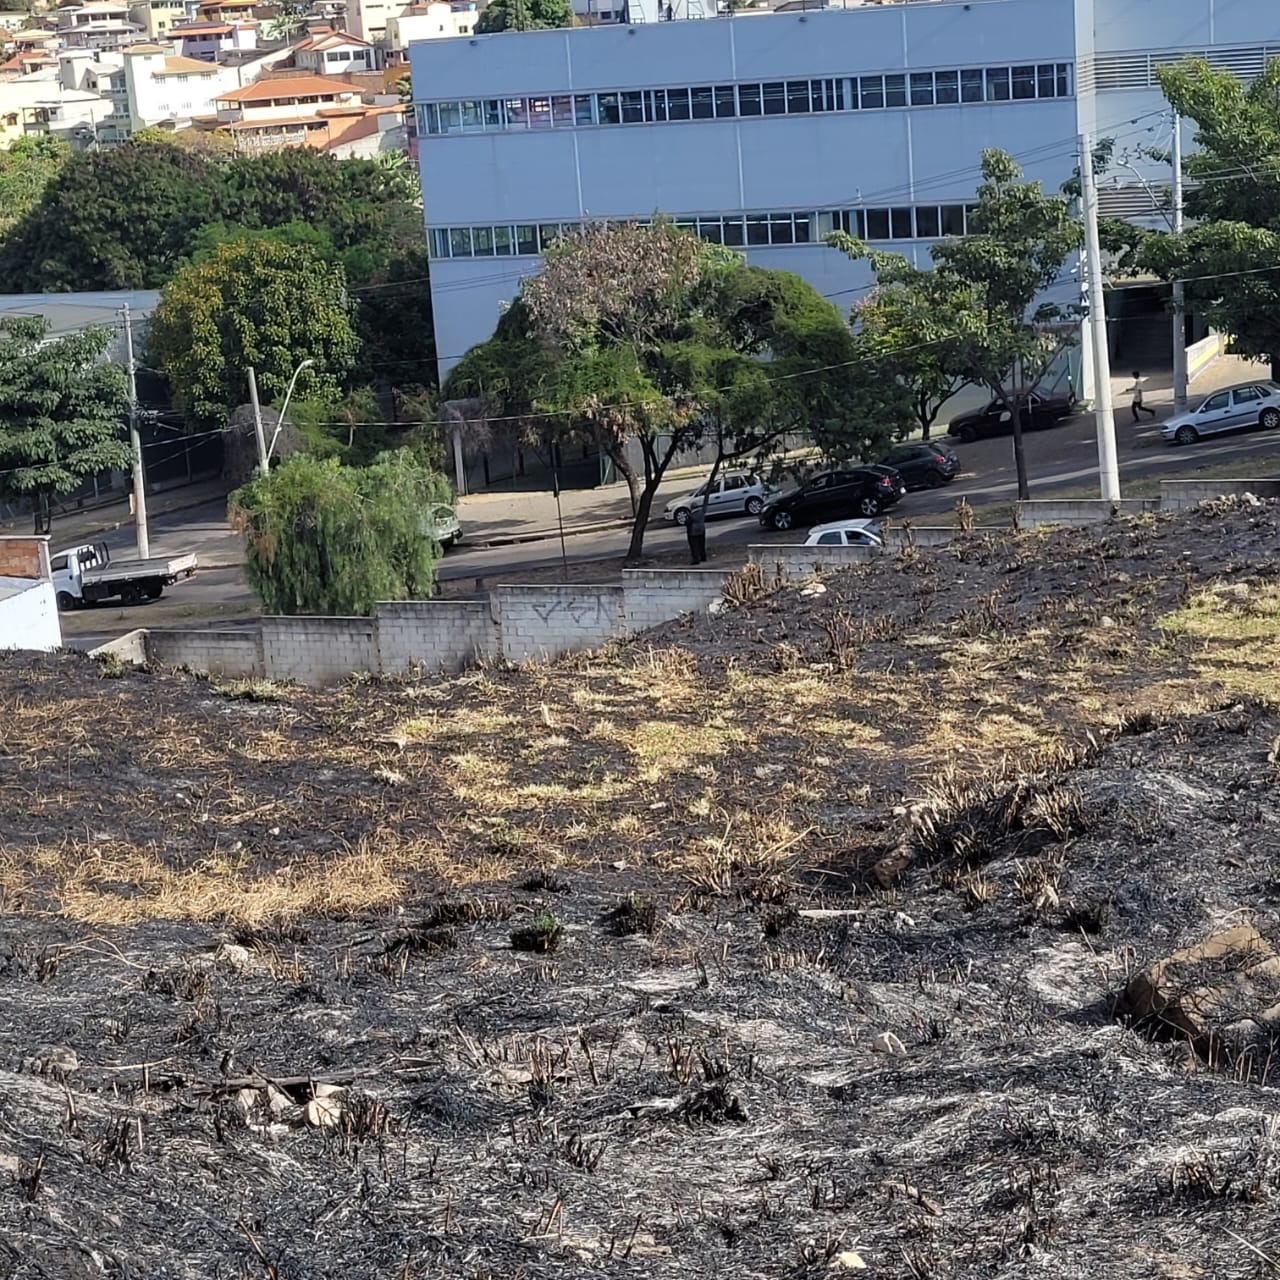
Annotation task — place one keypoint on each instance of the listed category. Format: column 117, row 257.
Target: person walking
column 696, row 531
column 1138, row 407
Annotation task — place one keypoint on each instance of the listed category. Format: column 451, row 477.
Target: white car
column 845, row 533
column 1250, row 404
column 735, row 493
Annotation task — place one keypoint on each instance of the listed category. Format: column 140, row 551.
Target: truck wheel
column 155, row 590
column 131, row 595
column 66, row 602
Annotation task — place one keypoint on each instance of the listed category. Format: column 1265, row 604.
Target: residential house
column 328, row 52
column 226, row 11
column 437, row 20
column 168, row 90
column 40, row 103
column 289, row 111
column 215, row 41
column 97, row 24
column 157, row 18
column 28, row 606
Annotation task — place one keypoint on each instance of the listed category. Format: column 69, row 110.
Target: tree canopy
column 61, row 410
column 324, row 538
column 524, row 15
column 26, row 169
column 265, row 304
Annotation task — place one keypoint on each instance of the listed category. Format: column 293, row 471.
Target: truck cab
column 87, row 574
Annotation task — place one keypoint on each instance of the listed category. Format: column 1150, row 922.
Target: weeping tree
column 324, row 538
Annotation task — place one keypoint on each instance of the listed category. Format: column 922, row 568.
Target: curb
column 543, row 535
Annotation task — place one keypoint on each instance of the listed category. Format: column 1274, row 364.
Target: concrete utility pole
column 263, row 464
column 135, row 443
column 1179, row 291
column 1108, row 467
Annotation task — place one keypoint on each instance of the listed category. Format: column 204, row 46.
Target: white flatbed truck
column 87, row 574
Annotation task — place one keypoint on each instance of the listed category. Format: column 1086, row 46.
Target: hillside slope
column 833, row 899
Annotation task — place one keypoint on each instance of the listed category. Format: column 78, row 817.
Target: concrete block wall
column 654, row 596
column 1178, row 495
column 24, row 557
column 788, row 563
column 440, row 635
column 318, row 651
column 1078, row 511
column 130, row 647
column 537, row 623
column 233, row 655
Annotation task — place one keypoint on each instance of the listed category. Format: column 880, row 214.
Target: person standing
column 1137, row 405
column 696, row 530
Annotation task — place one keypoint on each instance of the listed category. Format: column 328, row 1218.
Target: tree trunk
column 1275, row 368
column 641, row 522
column 1019, row 454
column 924, row 417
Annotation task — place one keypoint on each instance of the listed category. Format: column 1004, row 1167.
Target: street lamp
column 306, row 364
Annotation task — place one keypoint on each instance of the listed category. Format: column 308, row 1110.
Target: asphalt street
column 1062, row 458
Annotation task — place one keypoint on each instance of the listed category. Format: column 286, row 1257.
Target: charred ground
column 822, row 908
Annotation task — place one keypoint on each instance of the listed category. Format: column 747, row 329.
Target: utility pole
column 135, row 443
column 1108, row 467
column 263, row 465
column 1179, row 290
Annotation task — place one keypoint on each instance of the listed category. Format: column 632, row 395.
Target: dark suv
column 835, row 495
column 922, row 464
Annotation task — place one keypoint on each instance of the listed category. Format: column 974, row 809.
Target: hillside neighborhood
column 639, row 638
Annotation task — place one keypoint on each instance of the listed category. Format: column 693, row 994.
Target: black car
column 835, row 495
column 1037, row 410
column 922, row 464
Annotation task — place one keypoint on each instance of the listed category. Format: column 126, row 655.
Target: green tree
column 263, row 304
column 395, row 322
column 524, row 15
column 324, row 538
column 26, row 169
column 1229, row 256
column 61, row 411
column 1005, row 333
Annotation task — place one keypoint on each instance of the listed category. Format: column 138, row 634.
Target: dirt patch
column 775, row 936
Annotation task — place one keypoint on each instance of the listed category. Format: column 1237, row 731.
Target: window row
column 770, row 98
column 907, row 222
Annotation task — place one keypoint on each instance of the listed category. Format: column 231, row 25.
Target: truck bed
column 153, row 567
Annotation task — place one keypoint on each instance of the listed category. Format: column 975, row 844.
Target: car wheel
column 66, row 601
column 934, row 479
column 682, row 516
column 1269, row 418
column 968, row 434
column 868, row 506
column 781, row 520
column 1186, row 434
column 754, row 506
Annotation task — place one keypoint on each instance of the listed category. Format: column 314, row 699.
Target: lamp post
column 306, row 364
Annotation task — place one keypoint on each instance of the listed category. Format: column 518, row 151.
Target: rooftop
column 187, row 66
column 288, row 87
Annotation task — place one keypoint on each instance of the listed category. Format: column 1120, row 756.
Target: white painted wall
column 28, row 615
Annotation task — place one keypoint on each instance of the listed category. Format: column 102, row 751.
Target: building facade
column 767, row 132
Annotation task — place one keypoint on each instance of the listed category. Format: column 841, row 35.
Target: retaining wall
column 543, row 622
column 654, row 596
column 439, row 635
column 1078, row 511
column 318, row 650
column 234, row 655
column 1178, row 495
column 788, row 563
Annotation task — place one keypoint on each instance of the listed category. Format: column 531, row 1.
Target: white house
column 97, row 24
column 213, row 41
column 163, row 88
column 157, row 18
column 439, row 20
column 327, row 52
column 766, row 132
column 28, row 606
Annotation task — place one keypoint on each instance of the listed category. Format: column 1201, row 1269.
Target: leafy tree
column 324, row 538
column 524, row 15
column 61, row 407
column 1005, row 335
column 395, row 323
column 263, row 304
column 1229, row 256
column 26, row 169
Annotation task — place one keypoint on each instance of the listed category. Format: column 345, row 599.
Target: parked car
column 1038, row 410
column 443, row 526
column 1248, row 405
column 923, row 464
column 734, row 493
column 845, row 533
column 864, row 491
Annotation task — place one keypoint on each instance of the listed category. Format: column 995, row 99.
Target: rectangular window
column 928, row 226
column 710, row 229
column 439, row 242
column 946, row 87
column 460, row 242
column 540, row 113
column 678, row 104
column 482, row 242
column 548, row 234
column 798, row 98
column 610, row 111
column 472, row 115
column 901, row 224
column 726, row 101
column 877, row 224
column 526, row 240
column 503, row 241
column 857, row 225
column 971, row 85
column 804, row 227
column 1046, row 81
column 922, row 88
column 895, row 91
column 703, row 103
column 749, row 100
column 970, row 220
column 781, row 229
column 1024, row 83
column 775, row 98
column 632, row 107
column 492, row 113
column 562, row 110
column 757, row 230
column 871, row 89
column 450, row 117
column 952, row 219
column 998, row 84
column 655, row 104
column 428, row 117
column 818, row 94
column 1064, row 79
column 733, row 231
column 517, row 110
column 826, row 224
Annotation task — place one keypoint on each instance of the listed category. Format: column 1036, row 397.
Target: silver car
column 735, row 493
column 1249, row 404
